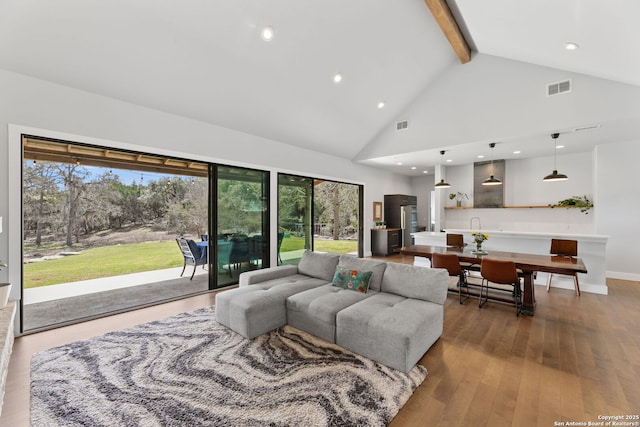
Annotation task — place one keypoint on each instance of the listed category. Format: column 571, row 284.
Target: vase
column 478, row 250
column 459, row 203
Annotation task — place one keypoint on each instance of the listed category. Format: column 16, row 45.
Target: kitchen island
column 591, row 249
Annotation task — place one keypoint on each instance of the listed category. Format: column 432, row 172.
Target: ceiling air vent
column 559, row 87
column 402, row 125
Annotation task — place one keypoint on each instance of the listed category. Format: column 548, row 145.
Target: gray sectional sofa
column 395, row 322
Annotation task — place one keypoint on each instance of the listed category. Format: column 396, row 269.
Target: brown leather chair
column 564, row 248
column 451, row 263
column 503, row 273
column 457, row 241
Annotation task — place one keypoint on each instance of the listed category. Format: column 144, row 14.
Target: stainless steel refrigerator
column 400, row 211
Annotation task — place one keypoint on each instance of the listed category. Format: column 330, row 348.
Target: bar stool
column 504, row 273
column 564, row 248
column 451, row 263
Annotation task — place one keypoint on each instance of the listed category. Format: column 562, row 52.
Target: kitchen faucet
column 471, row 223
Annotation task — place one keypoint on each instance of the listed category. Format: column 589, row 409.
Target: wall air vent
column 402, row 125
column 559, row 87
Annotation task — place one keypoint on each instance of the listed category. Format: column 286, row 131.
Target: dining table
column 527, row 263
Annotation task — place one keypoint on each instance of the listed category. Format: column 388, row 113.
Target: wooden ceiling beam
column 45, row 150
column 443, row 16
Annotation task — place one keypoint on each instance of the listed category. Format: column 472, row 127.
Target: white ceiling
column 206, row 60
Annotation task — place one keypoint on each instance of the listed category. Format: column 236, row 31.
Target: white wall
column 46, row 109
column 421, row 187
column 618, row 215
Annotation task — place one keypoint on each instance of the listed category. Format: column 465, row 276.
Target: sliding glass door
column 102, row 231
column 295, row 217
column 242, row 222
column 320, row 215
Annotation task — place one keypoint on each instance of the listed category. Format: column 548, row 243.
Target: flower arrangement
column 478, row 238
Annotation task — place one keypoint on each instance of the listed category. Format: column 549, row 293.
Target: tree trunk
column 71, row 220
column 336, row 212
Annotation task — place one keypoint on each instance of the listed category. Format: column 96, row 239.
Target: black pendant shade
column 442, row 184
column 492, row 180
column 555, row 176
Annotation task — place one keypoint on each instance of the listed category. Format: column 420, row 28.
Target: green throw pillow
column 351, row 279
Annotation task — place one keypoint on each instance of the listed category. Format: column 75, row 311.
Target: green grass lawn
column 103, row 262
column 338, row 246
column 116, row 260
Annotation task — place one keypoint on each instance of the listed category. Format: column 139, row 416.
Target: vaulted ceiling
column 207, row 60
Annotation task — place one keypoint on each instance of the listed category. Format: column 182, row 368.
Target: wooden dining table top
column 529, row 262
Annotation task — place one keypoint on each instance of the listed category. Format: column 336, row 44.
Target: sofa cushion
column 318, row 264
column 315, row 310
column 294, row 278
column 409, row 281
column 390, row 329
column 265, row 274
column 258, row 309
column 353, row 280
column 376, row 267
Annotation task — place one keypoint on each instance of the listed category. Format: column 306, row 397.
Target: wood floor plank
column 577, row 358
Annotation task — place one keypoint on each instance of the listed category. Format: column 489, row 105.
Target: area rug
column 188, row 370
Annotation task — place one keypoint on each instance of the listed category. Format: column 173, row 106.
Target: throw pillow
column 351, row 279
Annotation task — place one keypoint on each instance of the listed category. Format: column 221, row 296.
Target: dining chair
column 451, row 263
column 502, row 273
column 564, row 248
column 224, row 252
column 457, row 241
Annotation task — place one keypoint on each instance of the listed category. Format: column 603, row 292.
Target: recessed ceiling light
column 413, row 168
column 571, row 46
column 516, row 152
column 481, row 156
column 381, row 104
column 425, row 171
column 337, row 78
column 399, row 163
column 449, row 160
column 267, row 34
column 560, row 146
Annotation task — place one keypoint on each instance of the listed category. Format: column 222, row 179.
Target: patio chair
column 192, row 255
column 239, row 251
column 224, row 252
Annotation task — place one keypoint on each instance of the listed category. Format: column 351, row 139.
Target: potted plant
column 458, row 196
column 5, row 288
column 581, row 202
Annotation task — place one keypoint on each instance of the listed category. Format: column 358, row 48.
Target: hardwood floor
column 578, row 358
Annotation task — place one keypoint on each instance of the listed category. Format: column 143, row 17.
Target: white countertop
column 509, row 233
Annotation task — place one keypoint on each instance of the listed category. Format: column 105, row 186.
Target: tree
column 40, row 180
column 73, row 176
column 336, row 204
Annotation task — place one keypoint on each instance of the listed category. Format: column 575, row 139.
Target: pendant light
column 491, row 180
column 555, row 176
column 442, row 184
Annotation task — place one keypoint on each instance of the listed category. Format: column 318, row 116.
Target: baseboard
column 623, row 276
